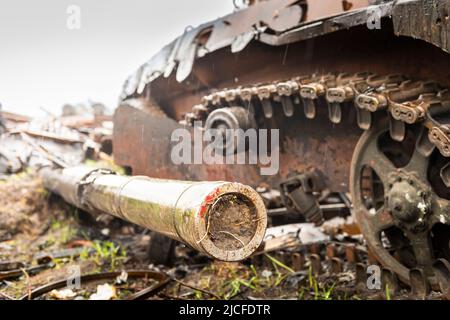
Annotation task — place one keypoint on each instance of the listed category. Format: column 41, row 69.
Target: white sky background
column 43, row 63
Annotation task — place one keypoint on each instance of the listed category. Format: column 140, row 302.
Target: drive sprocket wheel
column 399, row 202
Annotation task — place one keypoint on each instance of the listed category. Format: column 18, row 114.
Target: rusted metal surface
column 425, row 20
column 298, row 194
column 224, row 220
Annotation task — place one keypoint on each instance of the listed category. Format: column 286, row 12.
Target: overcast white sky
column 43, row 63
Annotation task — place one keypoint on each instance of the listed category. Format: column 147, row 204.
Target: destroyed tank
column 359, row 92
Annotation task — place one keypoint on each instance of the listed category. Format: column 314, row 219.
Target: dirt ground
column 44, row 238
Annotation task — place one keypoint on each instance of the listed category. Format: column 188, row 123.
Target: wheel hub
column 408, row 200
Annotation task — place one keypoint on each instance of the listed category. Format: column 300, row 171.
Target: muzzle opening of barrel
column 232, row 221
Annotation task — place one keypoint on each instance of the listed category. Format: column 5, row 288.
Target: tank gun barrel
column 224, row 220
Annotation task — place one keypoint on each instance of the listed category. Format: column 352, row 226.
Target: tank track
column 406, row 102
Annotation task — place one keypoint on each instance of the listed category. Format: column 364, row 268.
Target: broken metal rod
column 224, row 220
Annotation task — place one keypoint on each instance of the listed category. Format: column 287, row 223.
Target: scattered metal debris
column 161, row 279
column 15, row 273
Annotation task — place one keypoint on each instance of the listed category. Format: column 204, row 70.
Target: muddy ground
column 45, row 240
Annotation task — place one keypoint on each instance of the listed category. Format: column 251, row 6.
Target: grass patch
column 106, row 252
